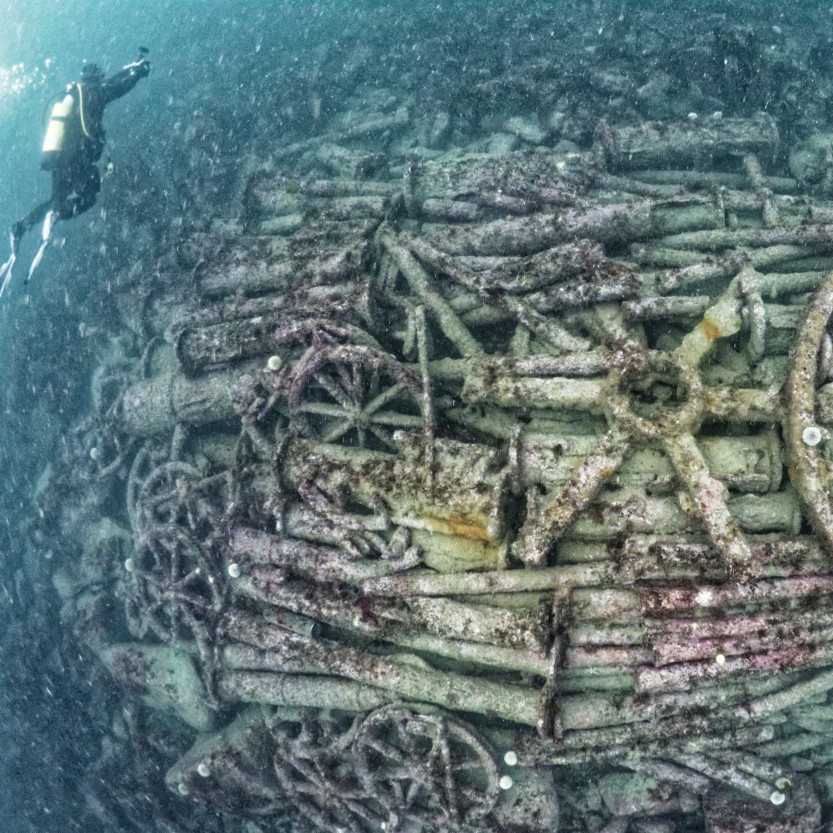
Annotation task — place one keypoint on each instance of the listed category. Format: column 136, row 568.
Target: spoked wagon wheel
column 173, row 587
column 426, row 766
column 355, row 395
column 164, row 493
column 320, row 780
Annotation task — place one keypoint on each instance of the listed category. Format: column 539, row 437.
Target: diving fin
column 6, row 268
column 46, row 233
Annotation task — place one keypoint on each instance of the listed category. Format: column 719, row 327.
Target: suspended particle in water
column 510, row 758
column 506, row 782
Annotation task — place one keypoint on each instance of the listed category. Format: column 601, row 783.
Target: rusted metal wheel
column 355, row 395
column 809, row 469
column 172, row 587
column 425, row 766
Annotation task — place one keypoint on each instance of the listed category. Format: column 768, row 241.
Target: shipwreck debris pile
column 435, row 486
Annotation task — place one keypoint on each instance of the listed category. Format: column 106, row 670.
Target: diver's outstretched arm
column 125, row 80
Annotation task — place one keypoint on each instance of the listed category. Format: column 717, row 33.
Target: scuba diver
column 73, row 145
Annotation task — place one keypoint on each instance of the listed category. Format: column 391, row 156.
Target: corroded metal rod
column 411, row 679
column 811, row 471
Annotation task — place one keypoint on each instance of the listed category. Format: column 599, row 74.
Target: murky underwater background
column 232, row 85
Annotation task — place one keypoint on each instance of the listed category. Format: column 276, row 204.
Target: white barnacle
column 777, row 798
column 511, row 758
column 720, row 659
column 182, row 788
column 129, row 565
column 234, row 570
column 94, row 453
column 203, row 770
column 704, row 597
column 274, row 363
column 506, row 782
column 811, row 435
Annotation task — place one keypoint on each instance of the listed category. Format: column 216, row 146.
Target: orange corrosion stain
column 710, row 330
column 459, row 523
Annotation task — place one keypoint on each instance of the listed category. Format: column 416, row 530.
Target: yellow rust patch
column 458, row 523
column 711, row 330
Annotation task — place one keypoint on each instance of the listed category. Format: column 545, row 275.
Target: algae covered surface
column 429, row 428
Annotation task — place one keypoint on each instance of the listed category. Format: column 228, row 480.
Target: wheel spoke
column 576, row 495
column 383, row 437
column 709, row 496
column 323, row 409
column 345, row 380
column 337, row 431
column 382, row 399
column 397, row 420
column 336, row 391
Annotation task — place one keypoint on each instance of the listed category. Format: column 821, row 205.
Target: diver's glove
column 140, row 68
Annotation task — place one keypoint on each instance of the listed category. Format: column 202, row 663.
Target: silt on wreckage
column 476, row 489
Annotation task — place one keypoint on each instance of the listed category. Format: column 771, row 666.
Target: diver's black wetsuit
column 76, row 179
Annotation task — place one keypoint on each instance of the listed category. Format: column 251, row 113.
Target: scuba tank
column 53, row 142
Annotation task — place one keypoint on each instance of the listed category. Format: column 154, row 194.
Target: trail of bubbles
column 16, row 78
